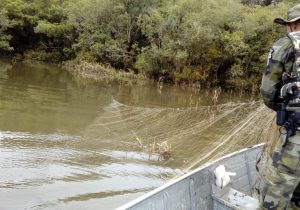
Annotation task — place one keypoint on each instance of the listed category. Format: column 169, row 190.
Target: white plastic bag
column 222, row 176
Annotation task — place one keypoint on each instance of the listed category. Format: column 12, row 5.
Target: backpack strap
column 295, row 38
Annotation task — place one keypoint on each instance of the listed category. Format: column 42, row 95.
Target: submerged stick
column 137, row 138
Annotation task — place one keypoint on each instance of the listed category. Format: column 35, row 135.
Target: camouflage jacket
column 281, row 59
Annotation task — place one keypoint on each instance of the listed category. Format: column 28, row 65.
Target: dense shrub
column 208, row 42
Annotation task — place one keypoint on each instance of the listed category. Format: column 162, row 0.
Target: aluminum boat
column 197, row 189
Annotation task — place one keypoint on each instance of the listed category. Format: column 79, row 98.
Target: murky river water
column 72, row 144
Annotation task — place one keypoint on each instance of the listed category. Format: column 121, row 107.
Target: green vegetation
column 204, row 42
column 103, row 73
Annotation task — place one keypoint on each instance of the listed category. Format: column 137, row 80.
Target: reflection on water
column 71, row 144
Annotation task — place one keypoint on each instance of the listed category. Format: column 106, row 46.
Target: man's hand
column 289, row 90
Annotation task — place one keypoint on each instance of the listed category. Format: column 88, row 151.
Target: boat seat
column 233, row 199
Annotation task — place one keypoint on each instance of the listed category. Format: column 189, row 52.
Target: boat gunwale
column 188, row 174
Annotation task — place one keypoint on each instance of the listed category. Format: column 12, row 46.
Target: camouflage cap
column 292, row 16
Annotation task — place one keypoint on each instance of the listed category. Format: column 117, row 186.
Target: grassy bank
column 103, row 73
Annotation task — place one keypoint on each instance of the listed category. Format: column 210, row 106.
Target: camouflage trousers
column 283, row 175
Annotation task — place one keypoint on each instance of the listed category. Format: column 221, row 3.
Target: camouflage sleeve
column 280, row 59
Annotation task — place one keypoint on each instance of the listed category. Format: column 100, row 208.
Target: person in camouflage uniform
column 283, row 170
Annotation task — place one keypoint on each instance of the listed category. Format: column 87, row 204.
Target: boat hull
column 197, row 190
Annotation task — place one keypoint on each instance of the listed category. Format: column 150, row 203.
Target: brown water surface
column 72, row 144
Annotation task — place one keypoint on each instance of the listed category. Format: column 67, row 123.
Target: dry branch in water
column 163, row 149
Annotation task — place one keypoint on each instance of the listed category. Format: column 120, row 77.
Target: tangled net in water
column 196, row 134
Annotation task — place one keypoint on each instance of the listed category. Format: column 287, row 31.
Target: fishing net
column 188, row 137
